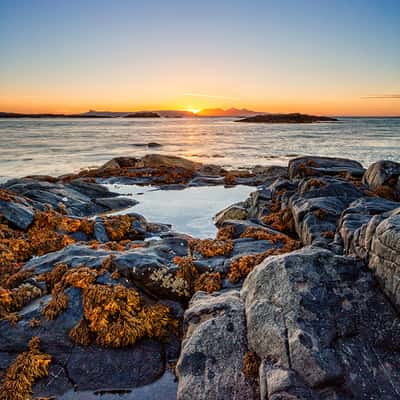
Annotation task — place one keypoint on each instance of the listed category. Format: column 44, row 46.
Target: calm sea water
column 58, row 146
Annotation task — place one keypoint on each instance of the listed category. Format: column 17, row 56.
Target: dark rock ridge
column 292, row 118
column 296, row 298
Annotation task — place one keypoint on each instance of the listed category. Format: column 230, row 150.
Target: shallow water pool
column 164, row 388
column 189, row 210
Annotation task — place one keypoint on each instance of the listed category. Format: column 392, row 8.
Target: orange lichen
column 251, row 364
column 24, row 371
column 208, row 282
column 212, row 247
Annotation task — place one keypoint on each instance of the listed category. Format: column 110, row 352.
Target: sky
column 317, row 56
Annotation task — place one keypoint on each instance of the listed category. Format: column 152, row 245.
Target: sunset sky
column 316, row 56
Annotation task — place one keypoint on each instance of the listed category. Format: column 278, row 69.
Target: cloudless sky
column 316, row 56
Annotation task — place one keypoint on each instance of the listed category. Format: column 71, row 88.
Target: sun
column 193, row 110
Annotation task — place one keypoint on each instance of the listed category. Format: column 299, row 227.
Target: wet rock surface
column 296, row 297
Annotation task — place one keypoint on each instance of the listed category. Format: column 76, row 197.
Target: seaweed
column 226, row 233
column 208, row 282
column 28, row 367
column 251, row 364
column 115, row 317
column 211, row 247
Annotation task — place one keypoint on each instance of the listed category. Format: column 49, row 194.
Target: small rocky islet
column 297, row 296
column 291, row 118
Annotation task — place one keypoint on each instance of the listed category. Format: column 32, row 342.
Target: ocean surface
column 58, row 146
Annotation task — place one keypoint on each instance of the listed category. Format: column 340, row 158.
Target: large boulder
column 382, row 173
column 321, row 328
column 319, row 166
column 159, row 160
column 378, row 243
column 316, row 207
column 358, row 213
column 210, row 366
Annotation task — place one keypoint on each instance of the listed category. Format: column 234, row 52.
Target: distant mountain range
column 208, row 112
column 230, row 112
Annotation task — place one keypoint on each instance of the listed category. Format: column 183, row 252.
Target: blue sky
column 275, row 55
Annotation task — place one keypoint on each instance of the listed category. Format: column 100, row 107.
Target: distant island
column 292, row 118
column 245, row 115
column 144, row 114
column 208, row 112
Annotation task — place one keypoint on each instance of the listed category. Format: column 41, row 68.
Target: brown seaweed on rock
column 28, row 367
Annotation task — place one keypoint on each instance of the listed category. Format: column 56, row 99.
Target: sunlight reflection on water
column 58, row 146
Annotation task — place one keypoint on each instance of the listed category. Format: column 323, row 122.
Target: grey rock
column 378, row 243
column 17, row 214
column 320, row 318
column 94, row 367
column 320, row 166
column 316, row 210
column 382, row 172
column 100, row 232
column 233, row 212
column 211, row 360
column 78, row 197
column 115, row 203
column 358, row 213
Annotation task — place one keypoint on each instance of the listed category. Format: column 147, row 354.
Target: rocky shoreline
column 297, row 296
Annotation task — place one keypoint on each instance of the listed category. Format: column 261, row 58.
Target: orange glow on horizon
column 350, row 106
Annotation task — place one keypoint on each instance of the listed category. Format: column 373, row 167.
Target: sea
column 59, row 146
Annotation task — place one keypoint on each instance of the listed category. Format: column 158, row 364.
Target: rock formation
column 297, row 297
